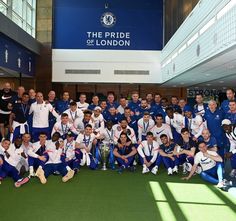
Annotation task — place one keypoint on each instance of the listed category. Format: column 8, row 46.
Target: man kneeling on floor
column 211, row 165
column 54, row 164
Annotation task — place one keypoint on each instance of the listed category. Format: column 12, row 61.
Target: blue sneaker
column 121, row 169
column 132, row 169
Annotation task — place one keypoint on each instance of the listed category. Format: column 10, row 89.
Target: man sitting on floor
column 8, row 162
column 211, row 164
column 166, row 153
column 148, row 150
column 54, row 164
column 124, row 154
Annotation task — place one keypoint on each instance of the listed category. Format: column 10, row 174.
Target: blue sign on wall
column 16, row 57
column 113, row 24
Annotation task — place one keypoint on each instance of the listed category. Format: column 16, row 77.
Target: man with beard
column 123, row 127
column 124, row 153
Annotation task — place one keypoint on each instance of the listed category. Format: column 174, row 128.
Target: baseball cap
column 98, row 108
column 187, row 109
column 225, row 122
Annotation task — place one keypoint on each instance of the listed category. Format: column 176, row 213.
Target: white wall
column 107, row 61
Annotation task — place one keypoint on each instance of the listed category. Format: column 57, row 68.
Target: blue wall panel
column 77, row 24
column 15, row 57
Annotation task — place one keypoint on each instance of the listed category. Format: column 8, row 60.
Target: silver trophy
column 104, row 150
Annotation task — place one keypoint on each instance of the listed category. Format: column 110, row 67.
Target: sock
column 31, row 169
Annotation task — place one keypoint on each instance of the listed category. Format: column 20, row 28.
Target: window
column 22, row 12
column 3, row 7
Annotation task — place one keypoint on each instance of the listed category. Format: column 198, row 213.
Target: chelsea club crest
column 108, row 19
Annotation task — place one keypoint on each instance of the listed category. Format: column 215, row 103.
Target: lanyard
column 85, row 123
column 24, row 109
column 86, row 141
column 150, row 149
column 110, row 135
column 75, row 115
column 64, row 129
column 145, row 126
column 189, row 124
column 68, row 144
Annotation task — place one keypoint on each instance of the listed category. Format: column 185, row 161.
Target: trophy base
column 104, row 168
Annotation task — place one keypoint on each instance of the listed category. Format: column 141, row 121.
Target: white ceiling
column 217, row 72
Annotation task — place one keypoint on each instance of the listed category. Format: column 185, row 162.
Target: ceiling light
column 223, row 11
column 207, row 26
column 192, row 39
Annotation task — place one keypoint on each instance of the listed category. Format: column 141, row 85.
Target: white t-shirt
column 144, row 127
column 74, row 115
column 83, row 106
column 13, row 158
column 176, row 122
column 80, row 126
column 118, row 130
column 108, row 135
column 41, row 113
column 69, row 149
column 84, row 140
column 232, row 140
column 158, row 131
column 63, row 128
column 205, row 162
column 145, row 149
column 54, row 154
column 98, row 121
column 195, row 125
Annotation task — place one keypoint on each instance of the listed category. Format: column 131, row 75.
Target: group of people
column 41, row 136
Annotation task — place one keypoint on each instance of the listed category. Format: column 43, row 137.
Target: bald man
column 7, row 97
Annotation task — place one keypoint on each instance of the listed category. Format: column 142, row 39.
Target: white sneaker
column 32, row 174
column 145, row 170
column 188, row 167
column 40, row 174
column 68, row 176
column 170, row 172
column 227, row 182
column 154, row 170
column 175, row 169
column 184, row 168
column 220, row 185
column 233, row 173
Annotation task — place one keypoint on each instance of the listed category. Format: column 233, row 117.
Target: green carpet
column 107, row 195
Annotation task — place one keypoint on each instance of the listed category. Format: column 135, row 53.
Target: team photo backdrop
column 116, row 24
column 105, row 36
